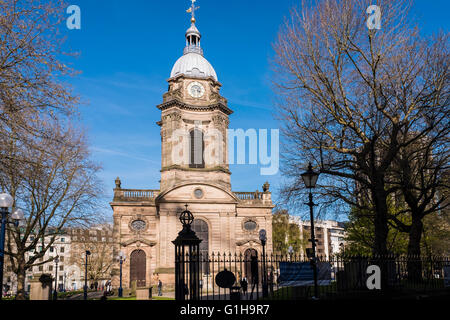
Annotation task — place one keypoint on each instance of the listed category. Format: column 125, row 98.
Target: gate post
column 187, row 260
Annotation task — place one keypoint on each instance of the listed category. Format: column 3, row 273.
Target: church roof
column 194, row 65
column 193, row 30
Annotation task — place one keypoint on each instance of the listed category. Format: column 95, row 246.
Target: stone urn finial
column 118, row 183
column 266, row 186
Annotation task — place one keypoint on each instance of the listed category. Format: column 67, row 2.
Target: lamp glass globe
column 17, row 215
column 6, row 201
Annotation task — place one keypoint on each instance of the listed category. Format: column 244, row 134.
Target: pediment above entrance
column 138, row 242
column 251, row 242
column 197, row 192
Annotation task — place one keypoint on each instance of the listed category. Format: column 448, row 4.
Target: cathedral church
column 194, row 171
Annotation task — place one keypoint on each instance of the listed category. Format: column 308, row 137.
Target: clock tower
column 194, row 171
column 194, row 120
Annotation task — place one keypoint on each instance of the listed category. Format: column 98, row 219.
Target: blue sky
column 127, row 50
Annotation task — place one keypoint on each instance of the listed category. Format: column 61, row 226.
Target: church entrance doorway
column 251, row 265
column 138, row 267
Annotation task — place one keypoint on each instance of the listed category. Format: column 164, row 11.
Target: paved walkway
column 91, row 295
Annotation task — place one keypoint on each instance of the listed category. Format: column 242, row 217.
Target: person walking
column 244, row 284
column 159, row 288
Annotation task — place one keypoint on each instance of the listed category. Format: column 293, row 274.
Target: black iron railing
column 289, row 277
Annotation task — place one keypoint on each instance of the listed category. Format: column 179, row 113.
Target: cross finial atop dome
column 192, row 10
column 192, row 63
column 193, row 36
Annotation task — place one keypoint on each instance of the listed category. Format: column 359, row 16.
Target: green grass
column 134, row 298
column 162, row 298
column 122, row 298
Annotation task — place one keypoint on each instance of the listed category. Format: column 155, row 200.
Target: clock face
column 138, row 225
column 196, row 90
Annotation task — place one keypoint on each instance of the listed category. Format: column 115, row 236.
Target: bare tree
column 44, row 161
column 351, row 98
column 101, row 259
column 59, row 189
column 30, row 67
column 419, row 172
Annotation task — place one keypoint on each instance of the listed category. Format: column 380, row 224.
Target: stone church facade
column 194, row 144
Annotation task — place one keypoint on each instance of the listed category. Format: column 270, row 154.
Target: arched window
column 200, row 228
column 197, row 145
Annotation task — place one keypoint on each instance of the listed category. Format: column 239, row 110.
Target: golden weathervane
column 192, row 10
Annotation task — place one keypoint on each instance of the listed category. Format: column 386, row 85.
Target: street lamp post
column 6, row 202
column 263, row 238
column 310, row 179
column 55, row 292
column 290, row 250
column 85, row 274
column 121, row 258
column 187, row 260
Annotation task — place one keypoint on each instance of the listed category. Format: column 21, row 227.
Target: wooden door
column 138, row 266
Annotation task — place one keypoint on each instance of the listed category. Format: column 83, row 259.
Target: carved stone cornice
column 181, row 77
column 177, row 103
column 177, row 167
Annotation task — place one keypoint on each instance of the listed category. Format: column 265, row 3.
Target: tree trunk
column 381, row 234
column 414, row 262
column 381, row 222
column 20, row 283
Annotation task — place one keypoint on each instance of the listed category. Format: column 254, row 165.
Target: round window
column 198, row 193
column 250, row 225
column 138, row 225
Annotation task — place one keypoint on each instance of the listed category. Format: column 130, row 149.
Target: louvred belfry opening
column 197, row 145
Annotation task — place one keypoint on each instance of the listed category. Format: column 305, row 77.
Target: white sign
column 74, row 21
column 374, row 20
column 374, row 279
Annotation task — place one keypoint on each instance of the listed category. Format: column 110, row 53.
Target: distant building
column 330, row 235
column 99, row 241
column 60, row 247
column 68, row 246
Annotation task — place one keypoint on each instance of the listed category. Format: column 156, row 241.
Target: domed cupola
column 193, row 37
column 192, row 63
